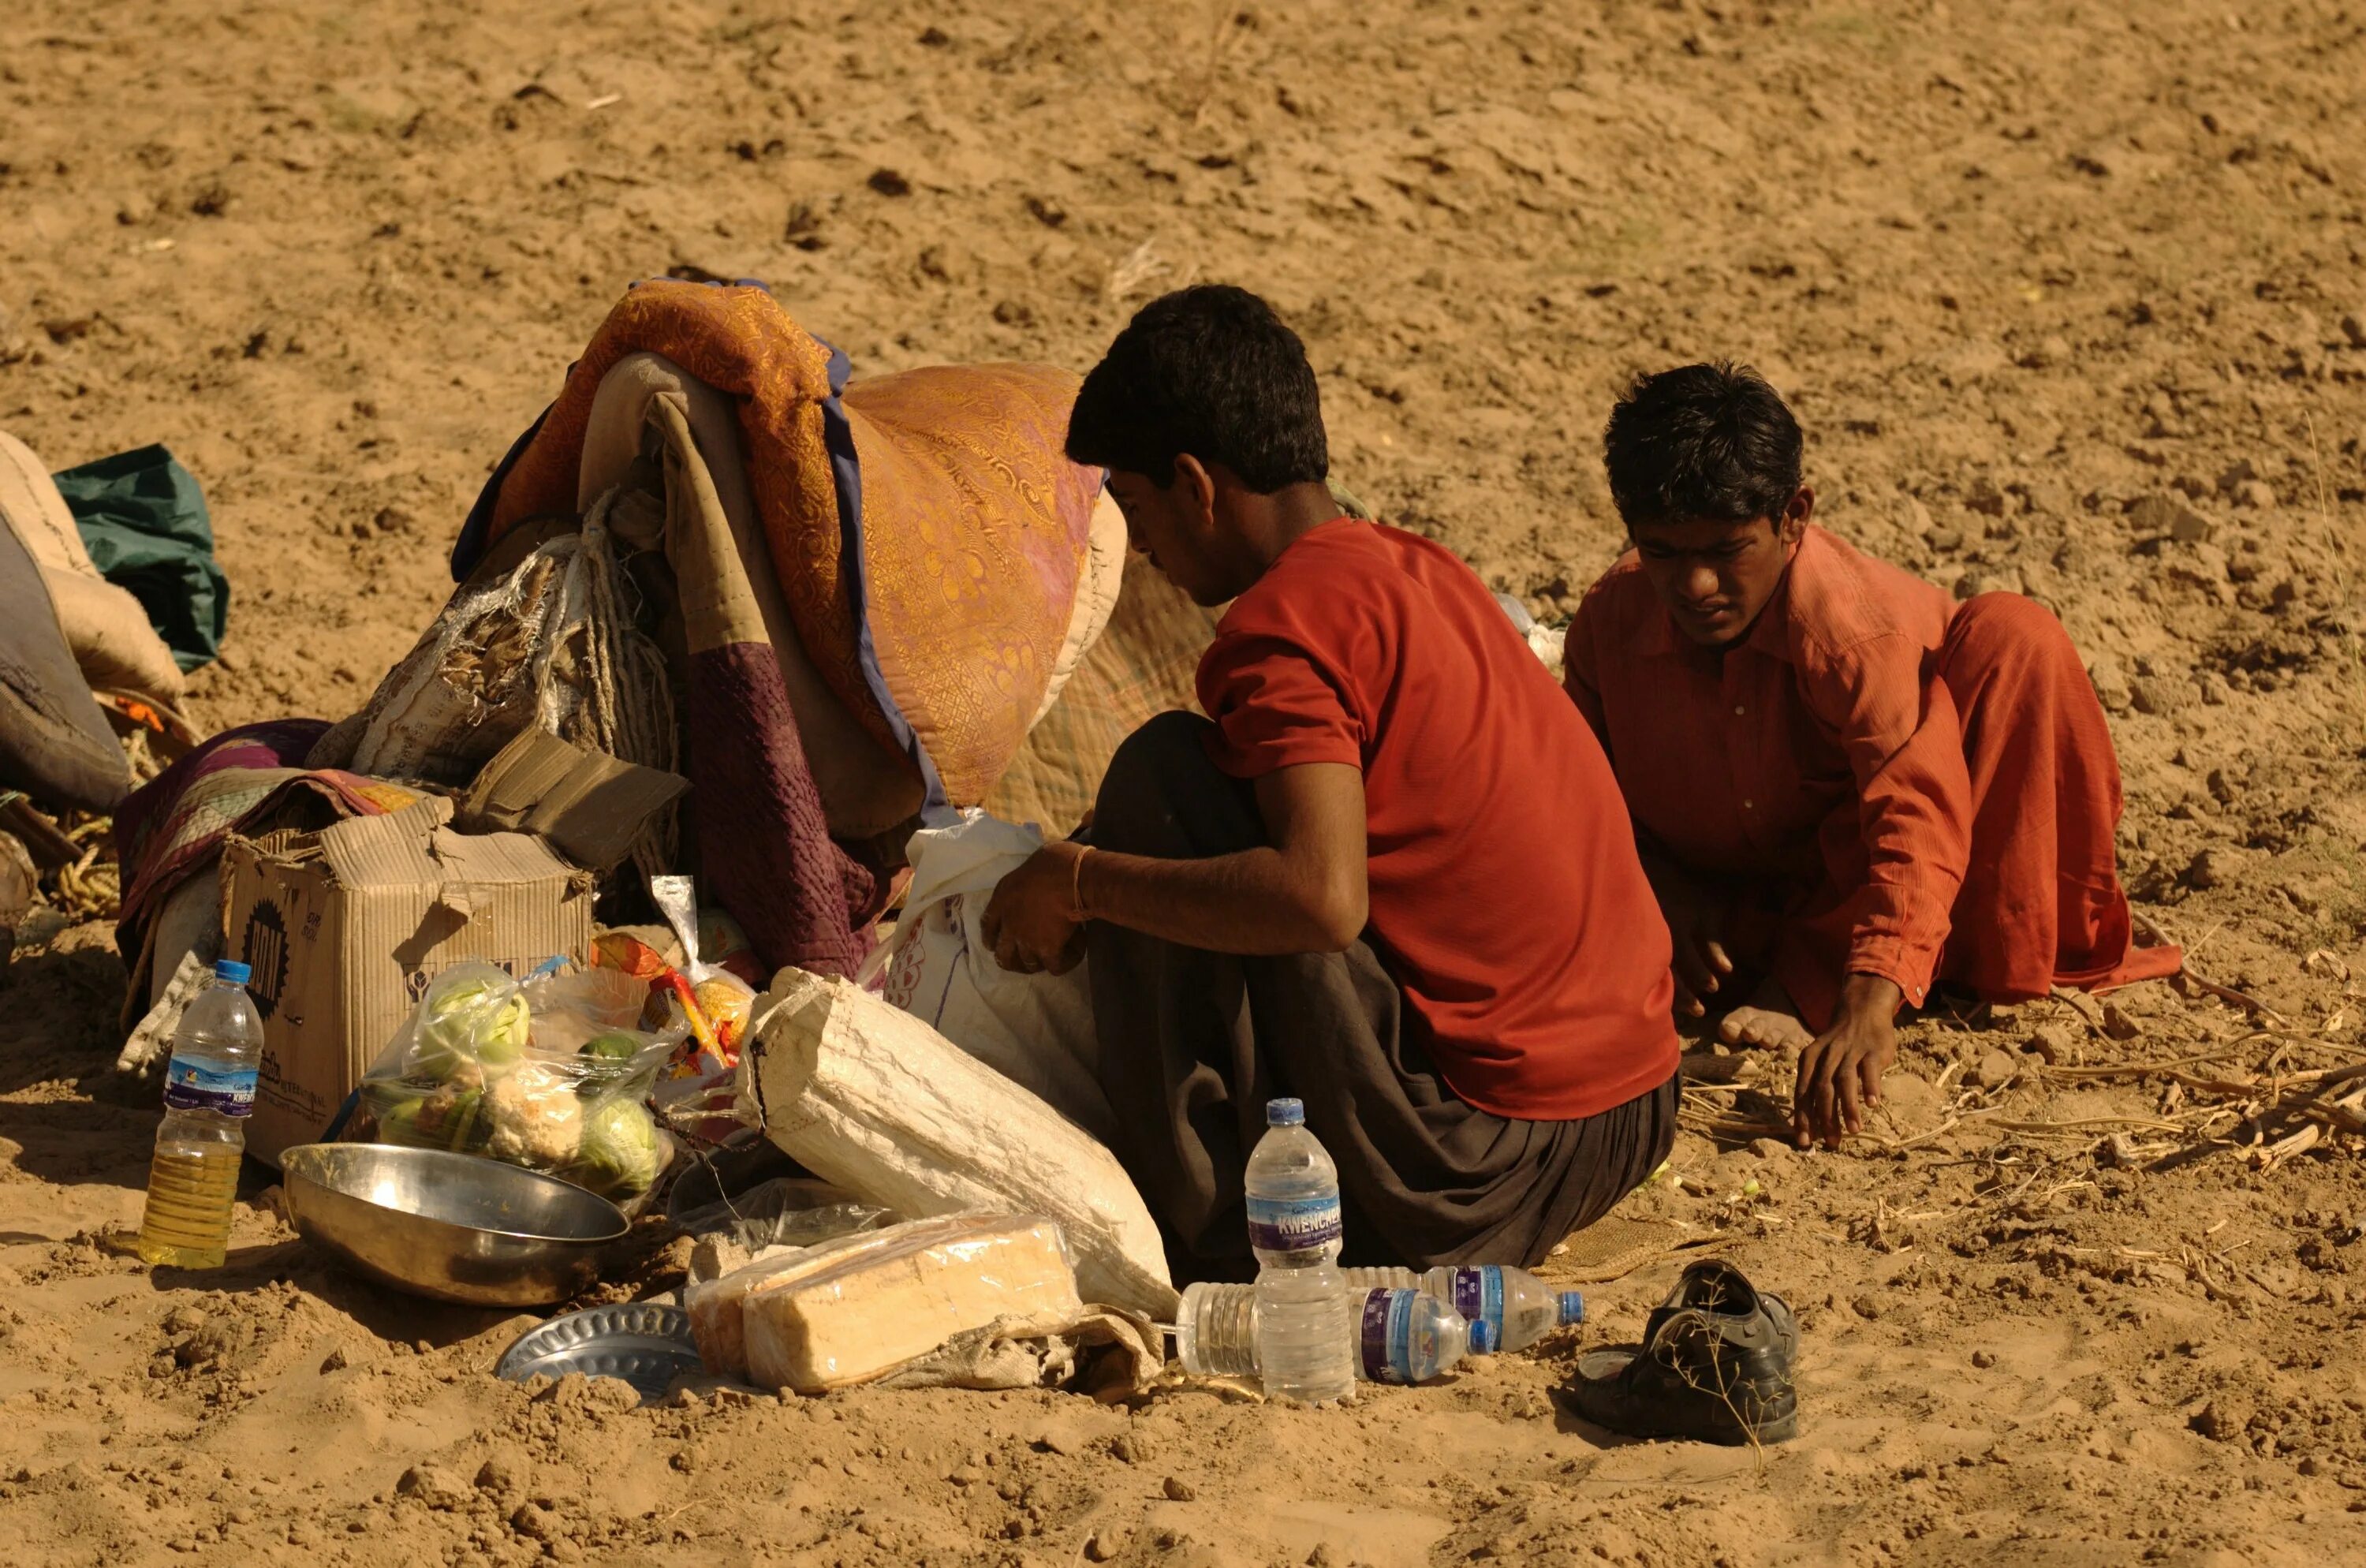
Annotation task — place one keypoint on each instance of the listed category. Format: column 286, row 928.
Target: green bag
column 143, row 520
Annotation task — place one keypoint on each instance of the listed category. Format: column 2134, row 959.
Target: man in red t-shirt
column 1357, row 881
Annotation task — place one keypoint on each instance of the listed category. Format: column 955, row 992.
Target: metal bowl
column 449, row 1226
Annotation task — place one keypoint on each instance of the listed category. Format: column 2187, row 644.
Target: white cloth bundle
column 873, row 1099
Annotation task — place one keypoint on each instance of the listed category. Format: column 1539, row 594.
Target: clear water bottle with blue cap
column 1304, row 1350
column 209, row 1092
column 1395, row 1336
column 1517, row 1308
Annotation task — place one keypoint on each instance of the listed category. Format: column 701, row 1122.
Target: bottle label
column 1479, row 1295
column 1384, row 1338
column 1293, row 1225
column 191, row 1086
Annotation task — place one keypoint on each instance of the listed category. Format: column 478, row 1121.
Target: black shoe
column 1714, row 1365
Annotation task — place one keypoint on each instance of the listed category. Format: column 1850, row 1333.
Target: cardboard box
column 344, row 927
column 587, row 802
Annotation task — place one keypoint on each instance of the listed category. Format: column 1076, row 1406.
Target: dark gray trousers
column 1193, row 1045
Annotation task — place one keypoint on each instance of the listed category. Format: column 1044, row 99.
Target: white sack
column 874, row 1100
column 1035, row 1029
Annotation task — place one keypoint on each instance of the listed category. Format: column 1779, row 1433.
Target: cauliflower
column 536, row 1120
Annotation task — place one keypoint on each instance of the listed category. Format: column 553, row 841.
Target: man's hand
column 1030, row 921
column 1695, row 917
column 1840, row 1072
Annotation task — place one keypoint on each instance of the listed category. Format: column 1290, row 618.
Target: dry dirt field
column 2072, row 298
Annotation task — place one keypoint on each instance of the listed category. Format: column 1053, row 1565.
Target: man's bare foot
column 1767, row 1021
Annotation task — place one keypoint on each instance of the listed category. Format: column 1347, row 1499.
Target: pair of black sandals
column 1715, row 1366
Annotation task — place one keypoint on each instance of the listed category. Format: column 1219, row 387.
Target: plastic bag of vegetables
column 551, row 1073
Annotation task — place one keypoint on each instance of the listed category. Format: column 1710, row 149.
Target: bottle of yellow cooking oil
column 209, row 1091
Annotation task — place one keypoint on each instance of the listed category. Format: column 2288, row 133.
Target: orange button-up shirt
column 1820, row 755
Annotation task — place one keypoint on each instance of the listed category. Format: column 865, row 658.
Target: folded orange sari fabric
column 925, row 528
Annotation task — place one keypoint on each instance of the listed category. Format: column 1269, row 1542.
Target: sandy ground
column 2072, row 301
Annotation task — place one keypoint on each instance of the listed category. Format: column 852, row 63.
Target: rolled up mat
column 873, row 1099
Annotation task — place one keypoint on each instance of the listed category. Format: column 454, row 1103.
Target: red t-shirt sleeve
column 1274, row 706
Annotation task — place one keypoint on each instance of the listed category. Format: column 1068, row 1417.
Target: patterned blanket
column 172, row 826
column 925, row 529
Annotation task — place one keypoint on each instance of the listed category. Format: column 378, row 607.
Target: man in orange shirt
column 1844, row 783
column 1339, row 885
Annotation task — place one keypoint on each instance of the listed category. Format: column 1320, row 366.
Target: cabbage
column 621, row 1153
column 473, row 1019
column 501, row 1040
column 605, row 1059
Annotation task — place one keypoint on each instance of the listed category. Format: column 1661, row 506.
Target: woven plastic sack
column 1035, row 1029
column 875, row 1101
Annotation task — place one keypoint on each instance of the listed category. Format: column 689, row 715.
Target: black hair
column 1212, row 371
column 1701, row 441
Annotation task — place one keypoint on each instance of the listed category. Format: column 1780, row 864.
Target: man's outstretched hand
column 1840, row 1072
column 1029, row 922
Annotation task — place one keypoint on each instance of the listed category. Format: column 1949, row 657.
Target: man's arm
column 1898, row 723
column 1305, row 892
column 1696, row 916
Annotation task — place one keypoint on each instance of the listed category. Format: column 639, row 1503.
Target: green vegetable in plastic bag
column 502, row 1039
column 621, row 1153
column 453, row 1118
column 396, row 1109
column 607, row 1058
column 473, row 1017
column 548, row 1074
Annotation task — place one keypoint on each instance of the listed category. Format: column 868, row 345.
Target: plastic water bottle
column 1406, row 1336
column 1301, row 1300
column 1398, row 1336
column 209, row 1091
column 1517, row 1307
column 1215, row 1331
